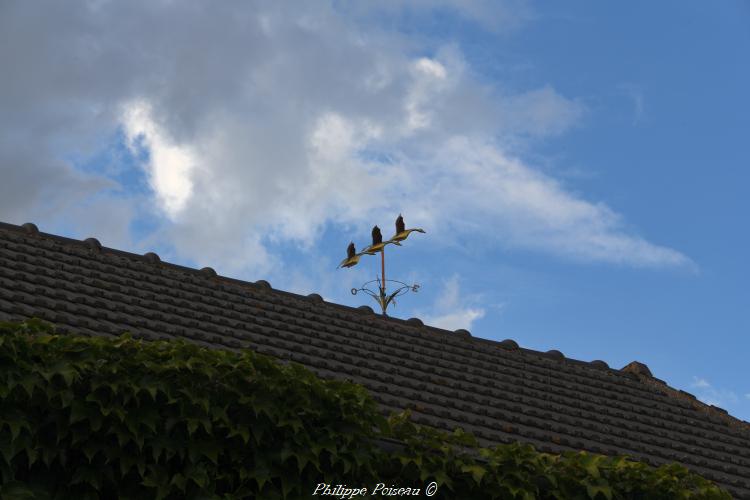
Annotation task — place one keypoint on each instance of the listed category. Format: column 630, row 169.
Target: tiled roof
column 496, row 390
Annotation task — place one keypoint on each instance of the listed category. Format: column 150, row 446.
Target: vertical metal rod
column 382, row 268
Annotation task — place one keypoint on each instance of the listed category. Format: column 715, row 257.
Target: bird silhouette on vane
column 352, row 257
column 377, row 242
column 401, row 232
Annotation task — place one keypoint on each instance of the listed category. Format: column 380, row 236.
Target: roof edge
column 712, row 411
column 638, row 370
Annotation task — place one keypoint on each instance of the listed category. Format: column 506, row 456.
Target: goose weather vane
column 378, row 245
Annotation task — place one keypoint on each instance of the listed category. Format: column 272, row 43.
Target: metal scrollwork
column 383, row 299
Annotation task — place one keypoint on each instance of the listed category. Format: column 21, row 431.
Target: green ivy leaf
column 209, row 449
column 126, row 463
column 242, row 432
column 16, row 425
column 8, row 451
column 17, row 490
column 78, row 412
column 198, row 475
column 594, row 490
column 192, row 425
column 29, row 382
column 32, row 455
column 591, row 464
column 477, row 472
column 88, row 475
column 179, row 481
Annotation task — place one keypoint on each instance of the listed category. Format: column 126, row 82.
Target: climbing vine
column 116, row 417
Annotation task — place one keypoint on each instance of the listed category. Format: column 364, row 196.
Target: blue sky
column 580, row 168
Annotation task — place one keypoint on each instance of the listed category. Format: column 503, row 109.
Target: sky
column 580, row 168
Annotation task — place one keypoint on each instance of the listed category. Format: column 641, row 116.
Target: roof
column 498, row 391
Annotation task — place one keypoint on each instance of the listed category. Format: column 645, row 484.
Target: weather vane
column 378, row 245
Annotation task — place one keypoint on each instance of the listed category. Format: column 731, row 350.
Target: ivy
column 103, row 417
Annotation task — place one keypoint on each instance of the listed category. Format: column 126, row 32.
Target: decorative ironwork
column 378, row 246
column 381, row 297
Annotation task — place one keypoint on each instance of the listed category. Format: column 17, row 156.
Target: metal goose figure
column 352, row 257
column 377, row 242
column 401, row 232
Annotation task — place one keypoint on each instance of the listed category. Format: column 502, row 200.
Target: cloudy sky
column 580, row 170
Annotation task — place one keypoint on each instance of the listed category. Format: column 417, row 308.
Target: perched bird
column 401, row 232
column 352, row 257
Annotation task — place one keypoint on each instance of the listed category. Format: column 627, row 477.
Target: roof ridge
column 710, row 410
column 208, row 272
column 634, row 370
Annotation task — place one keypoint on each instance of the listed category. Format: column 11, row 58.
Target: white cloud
column 169, row 165
column 264, row 123
column 700, row 383
column 431, row 68
column 542, row 111
column 498, row 16
column 451, row 311
column 711, row 395
column 429, row 80
column 636, row 95
column 474, row 180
